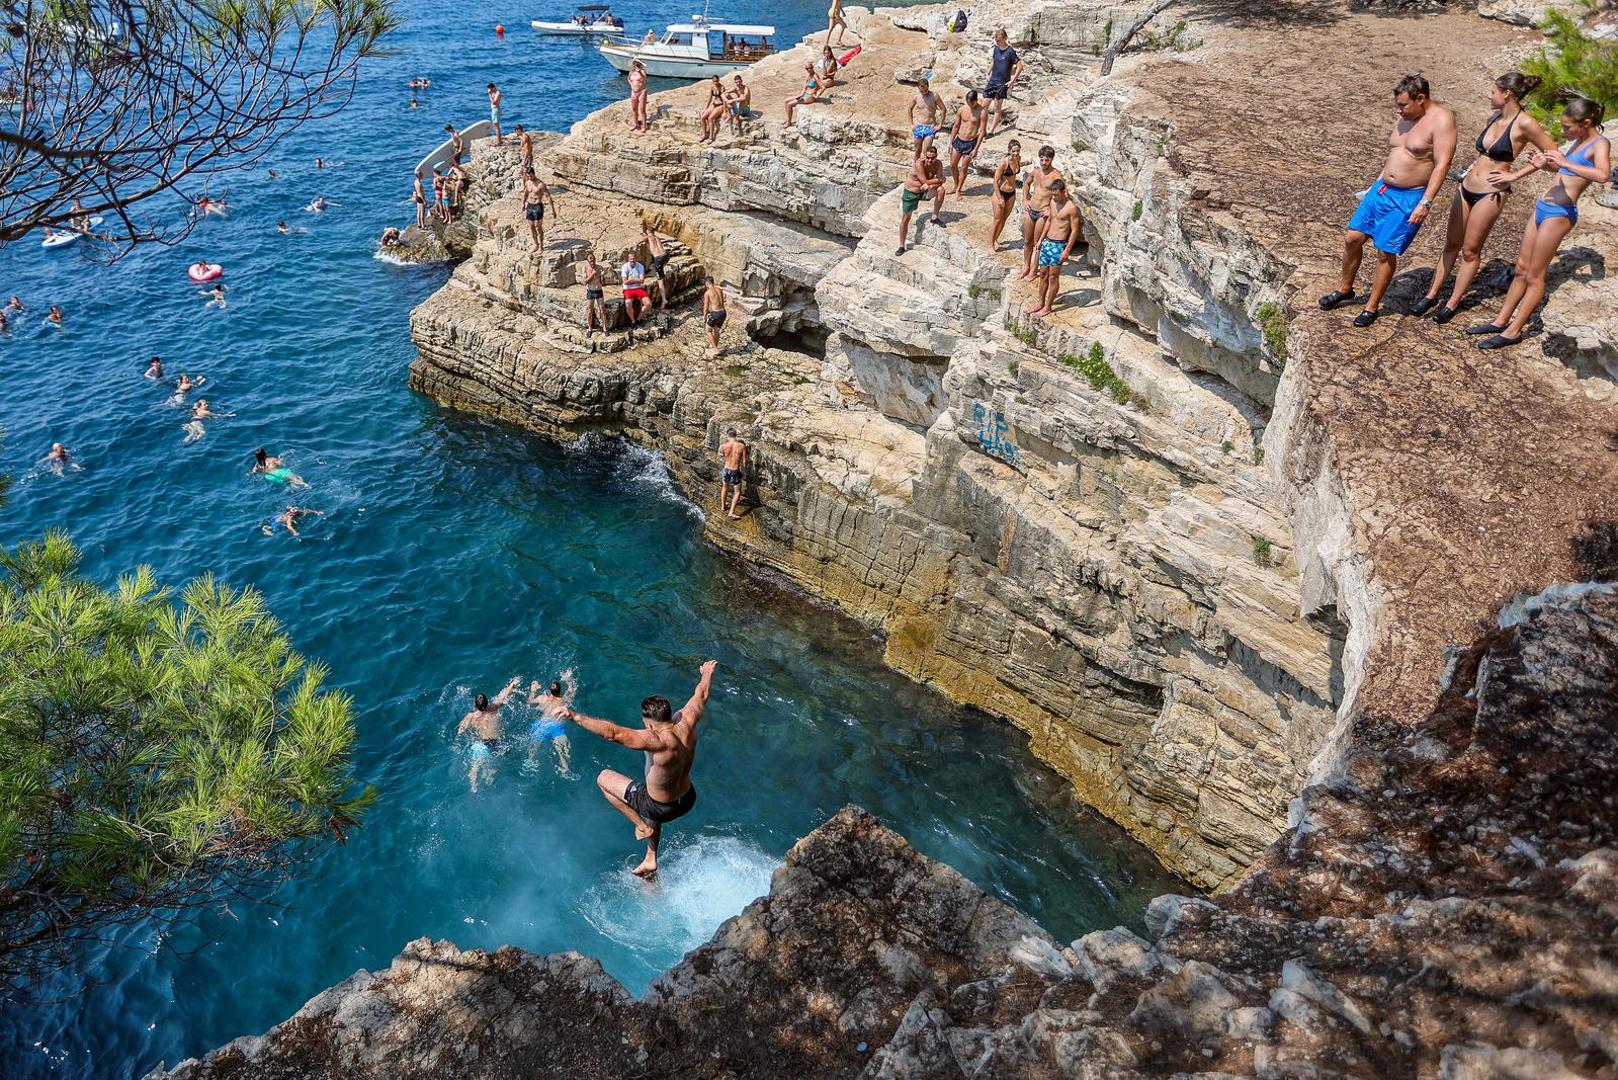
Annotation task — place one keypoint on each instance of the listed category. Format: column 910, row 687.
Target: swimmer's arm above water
column 505, row 695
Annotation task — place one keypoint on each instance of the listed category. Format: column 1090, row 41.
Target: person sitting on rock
column 807, row 96
column 926, row 175
column 740, row 100
column 637, row 304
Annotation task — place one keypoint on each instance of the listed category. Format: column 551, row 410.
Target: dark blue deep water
column 454, row 554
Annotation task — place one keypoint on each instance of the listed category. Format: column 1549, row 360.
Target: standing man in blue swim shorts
column 1062, row 226
column 669, row 741
column 494, row 114
column 1420, row 149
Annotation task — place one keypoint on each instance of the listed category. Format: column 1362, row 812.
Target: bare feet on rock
column 1039, row 313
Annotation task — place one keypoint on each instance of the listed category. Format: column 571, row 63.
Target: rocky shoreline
column 1216, row 554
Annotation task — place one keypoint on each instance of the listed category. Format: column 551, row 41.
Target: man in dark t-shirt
column 1005, row 68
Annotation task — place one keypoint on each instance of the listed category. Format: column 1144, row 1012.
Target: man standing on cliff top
column 1391, row 212
column 669, row 741
column 1005, row 68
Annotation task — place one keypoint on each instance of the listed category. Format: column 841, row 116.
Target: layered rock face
column 1449, row 908
column 1114, row 576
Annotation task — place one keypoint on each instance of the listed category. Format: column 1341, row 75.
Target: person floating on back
column 1586, row 161
column 1420, row 149
column 669, row 741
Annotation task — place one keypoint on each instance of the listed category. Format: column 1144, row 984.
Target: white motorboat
column 695, row 50
column 592, row 19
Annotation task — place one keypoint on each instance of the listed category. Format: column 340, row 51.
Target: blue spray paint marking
column 994, row 435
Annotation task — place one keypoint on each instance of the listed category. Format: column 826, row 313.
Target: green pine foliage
column 1094, row 367
column 154, row 756
column 1572, row 63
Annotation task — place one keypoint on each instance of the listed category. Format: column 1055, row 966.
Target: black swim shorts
column 536, row 212
column 594, row 294
column 716, row 319
column 995, row 93
column 733, row 477
column 658, row 813
column 658, row 262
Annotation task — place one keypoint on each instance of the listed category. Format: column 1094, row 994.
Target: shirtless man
column 59, row 459
column 288, row 520
column 1036, row 197
column 670, row 743
column 964, row 139
column 525, row 147
column 713, row 314
column 535, row 194
column 551, row 726
column 155, row 369
column 924, row 110
column 1061, row 233
column 595, row 300
column 487, row 731
column 740, row 99
column 733, row 475
column 926, row 175
column 660, row 258
column 1420, row 148
column 457, row 144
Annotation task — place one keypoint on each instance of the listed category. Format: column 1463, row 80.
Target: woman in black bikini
column 1482, row 195
column 1004, row 194
column 713, row 113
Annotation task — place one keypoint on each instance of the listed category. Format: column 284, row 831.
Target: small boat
column 57, row 238
column 591, row 19
column 696, row 50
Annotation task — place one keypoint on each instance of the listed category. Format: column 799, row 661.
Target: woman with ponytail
column 1586, row 161
column 1482, row 196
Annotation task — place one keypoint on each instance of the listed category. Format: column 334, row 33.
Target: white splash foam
column 701, row 882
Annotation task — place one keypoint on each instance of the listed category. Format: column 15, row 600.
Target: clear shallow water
column 454, row 554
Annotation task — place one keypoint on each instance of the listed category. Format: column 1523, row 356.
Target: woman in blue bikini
column 1587, row 160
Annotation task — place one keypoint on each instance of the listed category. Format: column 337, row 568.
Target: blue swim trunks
column 1384, row 215
column 1544, row 209
column 1050, row 252
column 547, row 730
column 923, row 131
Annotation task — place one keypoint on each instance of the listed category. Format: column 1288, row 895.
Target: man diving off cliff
column 670, row 743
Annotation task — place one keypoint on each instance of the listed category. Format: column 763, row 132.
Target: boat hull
column 575, row 29
column 671, row 67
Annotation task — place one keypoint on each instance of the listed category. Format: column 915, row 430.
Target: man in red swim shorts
column 633, row 275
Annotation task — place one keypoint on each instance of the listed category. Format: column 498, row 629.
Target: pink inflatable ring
column 207, row 272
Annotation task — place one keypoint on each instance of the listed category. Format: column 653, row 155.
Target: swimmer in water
column 186, row 385
column 274, row 175
column 288, row 520
column 200, row 412
column 281, row 227
column 15, row 304
column 550, row 727
column 274, row 469
column 155, row 369
column 2, row 320
column 669, row 740
column 320, row 204
column 487, row 731
column 216, row 296
column 59, row 459
column 200, row 268
column 320, row 164
column 55, row 317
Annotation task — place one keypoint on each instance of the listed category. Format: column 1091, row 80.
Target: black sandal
column 1485, row 328
column 1335, row 299
column 1365, row 318
column 1499, row 341
column 1444, row 315
column 1423, row 306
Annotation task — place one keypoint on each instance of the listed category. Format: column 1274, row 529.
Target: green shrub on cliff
column 1574, row 62
column 1094, row 367
column 1273, row 322
column 155, row 757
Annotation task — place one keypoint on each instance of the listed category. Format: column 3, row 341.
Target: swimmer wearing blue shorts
column 551, row 726
column 1420, row 149
column 488, row 732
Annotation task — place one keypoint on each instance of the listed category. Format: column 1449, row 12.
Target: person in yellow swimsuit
column 834, row 19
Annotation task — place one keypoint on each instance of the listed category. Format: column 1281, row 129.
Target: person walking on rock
column 732, row 471
column 1061, row 233
column 1005, row 68
column 834, row 19
column 926, row 176
column 1036, row 199
column 669, row 741
column 713, row 314
column 535, row 193
column 1391, row 212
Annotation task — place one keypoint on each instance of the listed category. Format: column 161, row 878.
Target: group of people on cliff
column 1421, row 147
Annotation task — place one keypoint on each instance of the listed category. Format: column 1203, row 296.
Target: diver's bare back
column 668, row 768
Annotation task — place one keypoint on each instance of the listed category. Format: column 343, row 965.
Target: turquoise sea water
column 454, row 554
